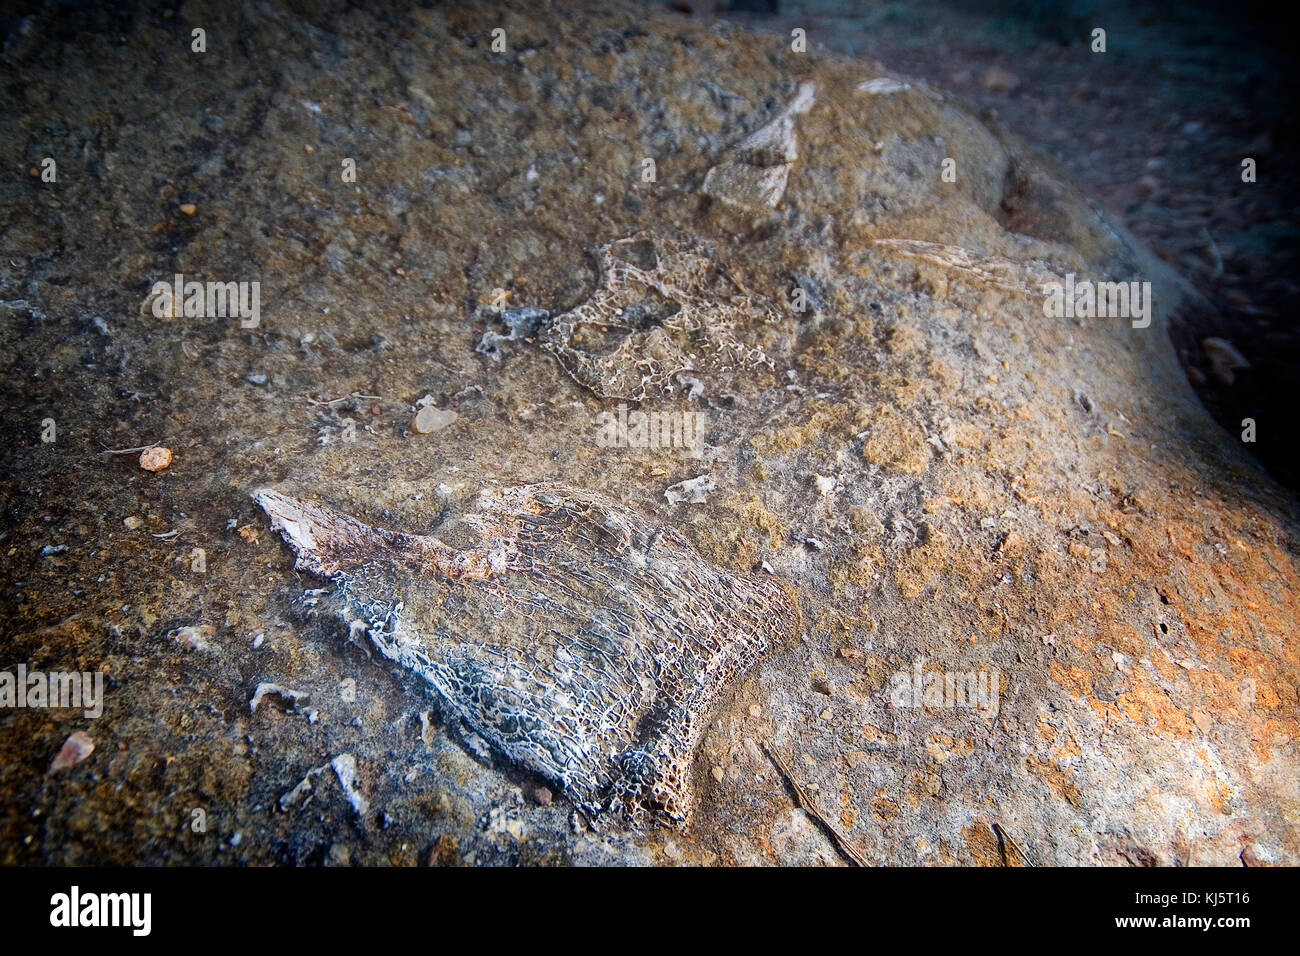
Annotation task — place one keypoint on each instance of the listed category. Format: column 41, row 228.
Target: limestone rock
column 1033, row 498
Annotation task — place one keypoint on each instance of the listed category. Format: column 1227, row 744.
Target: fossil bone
column 581, row 640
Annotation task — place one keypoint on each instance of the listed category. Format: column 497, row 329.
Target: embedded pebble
column 300, row 789
column 692, row 490
column 427, row 729
column 133, row 522
column 345, row 768
column 196, row 637
column 74, row 750
column 156, row 458
column 287, row 694
column 430, row 419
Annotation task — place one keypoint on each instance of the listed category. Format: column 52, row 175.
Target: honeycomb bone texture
column 663, row 306
column 583, row 641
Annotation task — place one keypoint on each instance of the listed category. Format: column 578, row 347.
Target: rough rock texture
column 945, row 477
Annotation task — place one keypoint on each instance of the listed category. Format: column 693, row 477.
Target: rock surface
column 950, row 481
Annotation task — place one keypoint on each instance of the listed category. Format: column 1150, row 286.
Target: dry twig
column 841, row 842
column 1010, row 841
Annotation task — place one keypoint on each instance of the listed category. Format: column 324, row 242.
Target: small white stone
column 431, row 419
column 197, row 637
column 691, row 491
column 75, row 749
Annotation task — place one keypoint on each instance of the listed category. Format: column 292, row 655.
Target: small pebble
column 133, row 522
column 196, row 637
column 189, row 208
column 755, row 710
column 257, row 378
column 543, row 796
column 431, row 419
column 288, row 695
column 156, row 458
column 718, row 774
column 691, row 491
column 74, row 750
column 998, row 80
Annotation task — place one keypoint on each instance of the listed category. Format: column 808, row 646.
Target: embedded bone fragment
column 755, row 177
column 581, row 640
